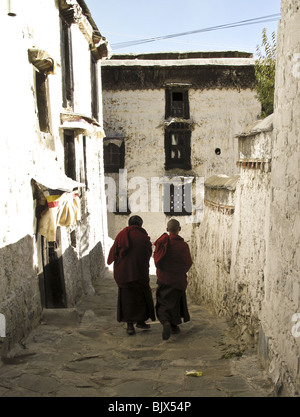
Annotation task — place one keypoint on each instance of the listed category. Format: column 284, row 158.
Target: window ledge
column 173, row 120
column 82, row 123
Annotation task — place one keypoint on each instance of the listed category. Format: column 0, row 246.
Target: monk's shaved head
column 173, row 226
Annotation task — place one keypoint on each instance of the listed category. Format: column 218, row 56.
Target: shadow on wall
column 66, row 278
column 20, row 300
column 24, row 293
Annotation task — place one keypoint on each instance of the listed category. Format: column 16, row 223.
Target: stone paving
column 85, row 352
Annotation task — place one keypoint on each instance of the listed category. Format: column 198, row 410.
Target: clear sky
column 130, row 20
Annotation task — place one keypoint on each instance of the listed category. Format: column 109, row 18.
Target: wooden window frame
column 94, row 89
column 70, row 154
column 183, row 149
column 42, row 101
column 84, row 162
column 67, row 64
column 111, row 166
column 176, row 107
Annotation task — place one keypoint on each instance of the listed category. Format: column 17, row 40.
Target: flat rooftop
column 166, row 59
column 184, row 55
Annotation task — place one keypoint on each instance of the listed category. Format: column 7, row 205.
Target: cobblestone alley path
column 85, row 352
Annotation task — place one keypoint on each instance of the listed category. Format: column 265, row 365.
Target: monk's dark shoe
column 166, row 331
column 143, row 325
column 175, row 329
column 130, row 329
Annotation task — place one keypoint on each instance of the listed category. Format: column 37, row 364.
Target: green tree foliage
column 265, row 73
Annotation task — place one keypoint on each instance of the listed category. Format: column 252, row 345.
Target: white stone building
column 53, row 213
column 172, row 117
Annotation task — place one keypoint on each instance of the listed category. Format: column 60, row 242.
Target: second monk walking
column 173, row 260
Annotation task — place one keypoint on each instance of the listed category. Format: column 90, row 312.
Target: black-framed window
column 83, row 163
column 42, row 98
column 67, row 64
column 177, row 103
column 70, row 154
column 75, row 157
column 178, row 199
column 114, row 155
column 94, row 89
column 177, row 148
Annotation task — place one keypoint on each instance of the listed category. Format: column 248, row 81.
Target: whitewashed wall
column 27, row 153
column 21, row 145
column 209, row 279
column 230, row 244
column 261, row 291
column 280, row 336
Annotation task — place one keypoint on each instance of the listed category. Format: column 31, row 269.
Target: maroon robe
column 173, row 260
column 131, row 254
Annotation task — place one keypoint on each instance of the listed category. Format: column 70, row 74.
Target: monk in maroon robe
column 131, row 254
column 173, row 260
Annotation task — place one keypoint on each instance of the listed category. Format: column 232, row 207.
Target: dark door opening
column 54, row 286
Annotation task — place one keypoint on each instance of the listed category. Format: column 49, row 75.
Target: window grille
column 178, row 199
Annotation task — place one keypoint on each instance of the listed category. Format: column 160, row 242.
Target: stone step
column 60, row 316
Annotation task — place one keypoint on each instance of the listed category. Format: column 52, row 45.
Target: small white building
column 53, row 214
column 170, row 121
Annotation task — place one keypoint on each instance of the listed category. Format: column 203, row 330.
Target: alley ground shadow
column 85, row 352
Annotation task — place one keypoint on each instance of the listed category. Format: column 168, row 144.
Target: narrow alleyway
column 85, row 352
